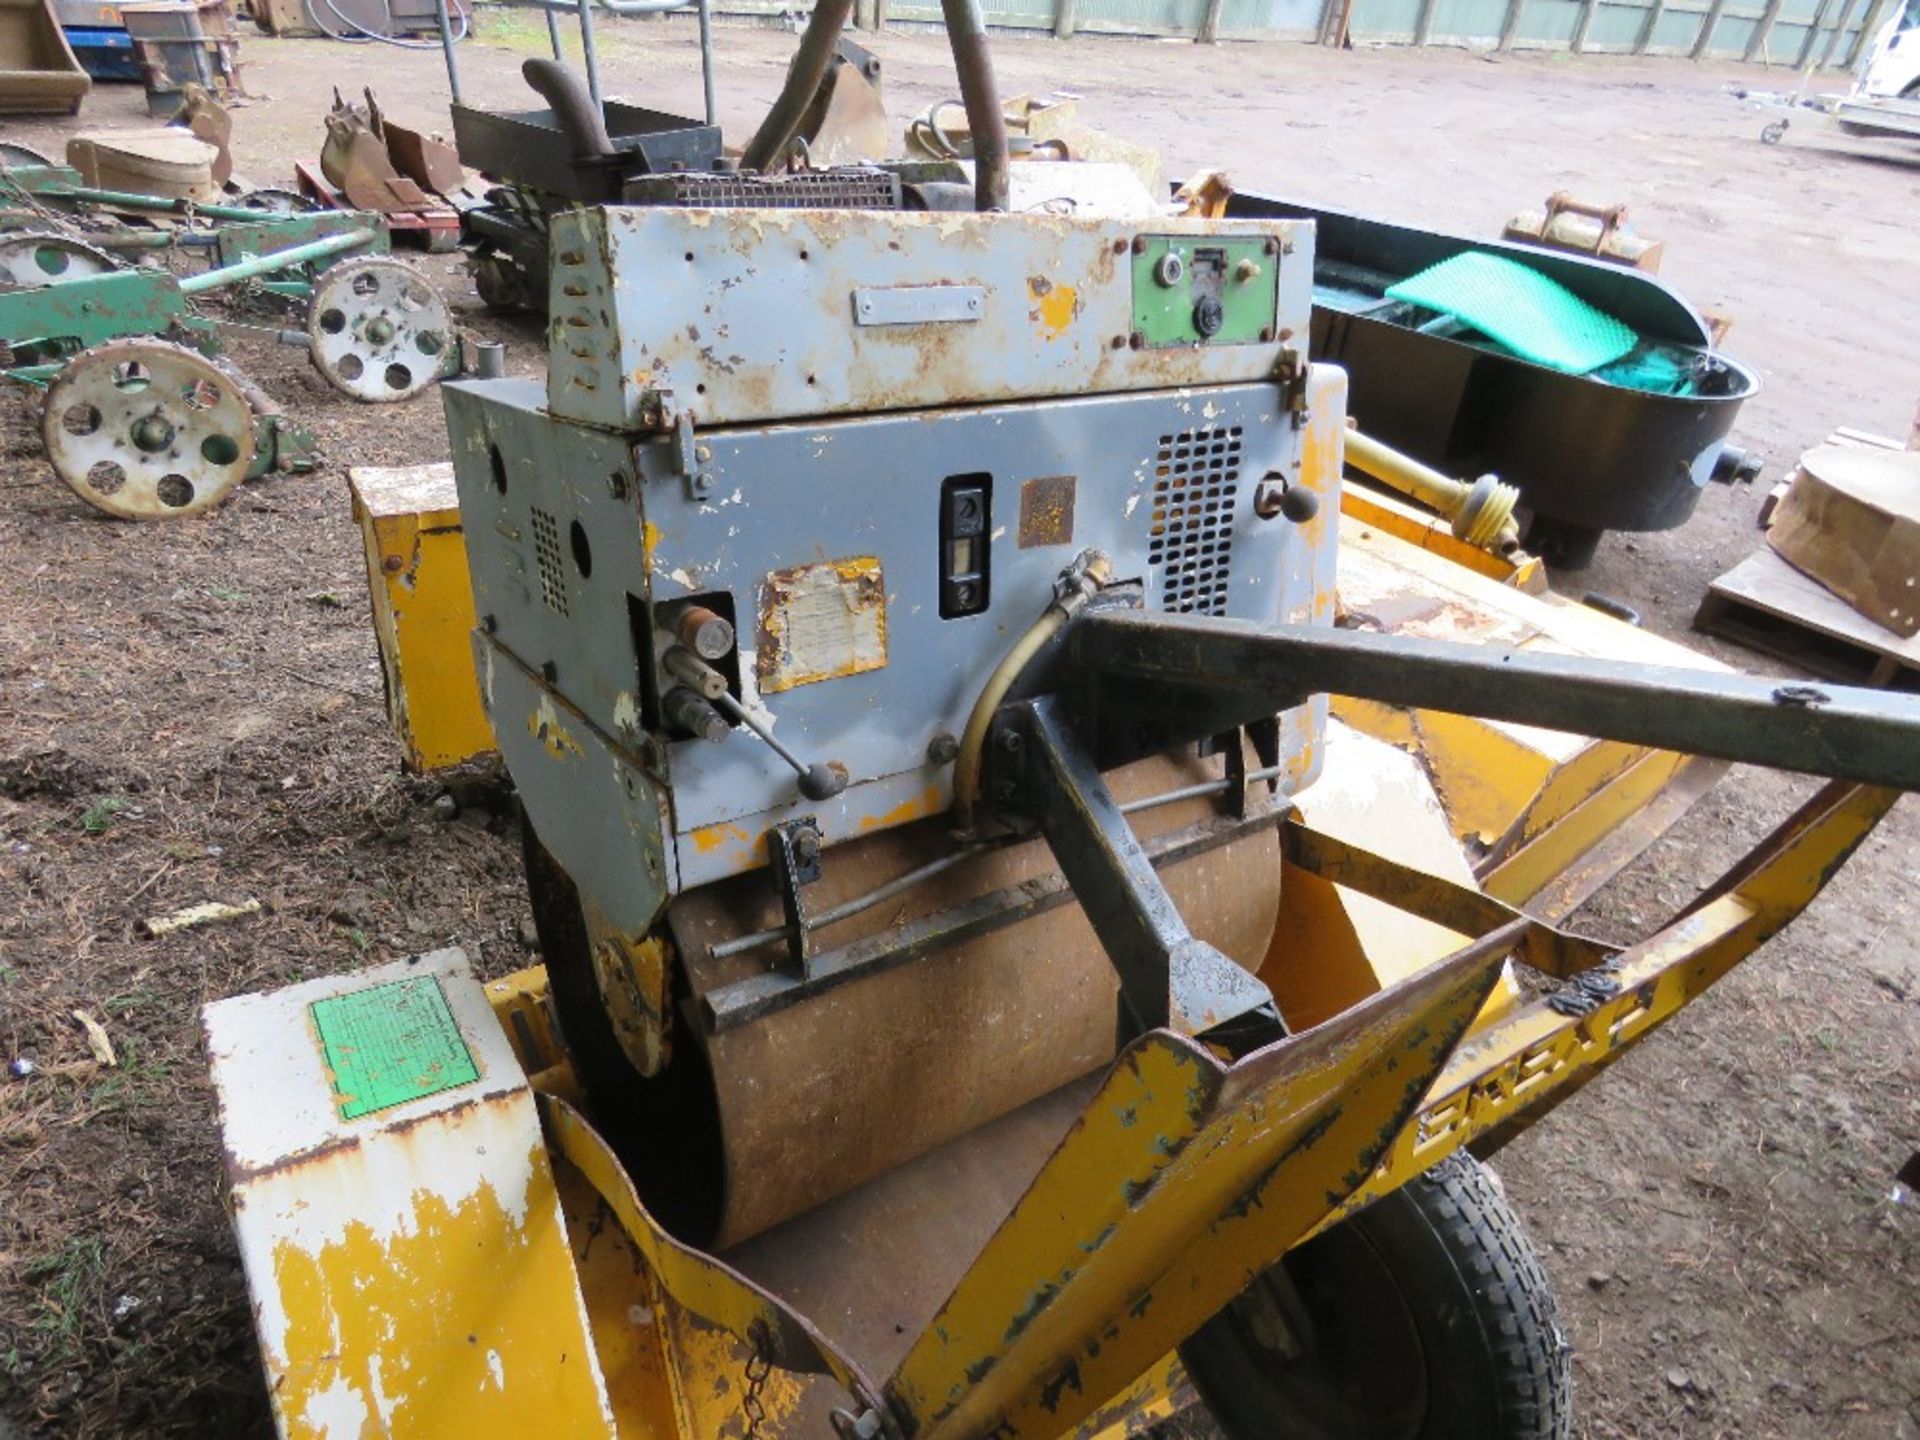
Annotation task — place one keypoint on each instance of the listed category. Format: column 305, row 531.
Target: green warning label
column 391, row 1044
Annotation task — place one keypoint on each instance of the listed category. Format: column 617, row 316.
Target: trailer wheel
column 1426, row 1316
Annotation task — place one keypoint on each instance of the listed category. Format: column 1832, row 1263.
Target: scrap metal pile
column 143, row 418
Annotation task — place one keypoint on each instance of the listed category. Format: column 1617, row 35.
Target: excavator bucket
column 355, row 161
column 38, row 72
column 426, row 160
column 846, row 121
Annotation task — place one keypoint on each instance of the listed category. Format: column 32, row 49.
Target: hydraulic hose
column 1086, row 575
column 810, row 64
column 967, row 34
column 355, row 33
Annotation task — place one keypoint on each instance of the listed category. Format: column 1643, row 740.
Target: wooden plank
column 1764, row 603
column 1578, row 44
column 1210, row 25
column 1065, row 15
column 1423, row 25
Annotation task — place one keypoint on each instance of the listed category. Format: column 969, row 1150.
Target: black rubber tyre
column 1426, row 1316
column 665, row 1128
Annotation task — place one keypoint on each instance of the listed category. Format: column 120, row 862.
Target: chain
column 759, row 1367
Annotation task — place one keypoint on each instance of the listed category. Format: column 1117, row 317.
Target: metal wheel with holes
column 29, row 260
column 379, row 330
column 145, row 430
column 1426, row 1316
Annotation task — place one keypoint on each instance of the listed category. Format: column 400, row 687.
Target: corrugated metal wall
column 1779, row 32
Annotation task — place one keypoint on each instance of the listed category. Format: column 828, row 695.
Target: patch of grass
column 98, row 817
column 66, row 1277
column 132, row 1000
column 226, row 592
column 134, row 1081
column 517, row 28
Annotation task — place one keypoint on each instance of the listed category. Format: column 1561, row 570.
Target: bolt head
column 1011, row 742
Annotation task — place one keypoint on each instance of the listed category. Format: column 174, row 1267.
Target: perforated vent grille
column 850, row 189
column 1196, row 476
column 546, row 549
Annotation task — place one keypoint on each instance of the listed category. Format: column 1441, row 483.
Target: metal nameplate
column 919, row 304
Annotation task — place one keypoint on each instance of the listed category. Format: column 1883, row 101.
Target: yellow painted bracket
column 1182, row 1180
column 1507, row 1076
column 1459, row 908
column 693, row 1279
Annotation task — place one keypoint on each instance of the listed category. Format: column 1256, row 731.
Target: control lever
column 817, row 782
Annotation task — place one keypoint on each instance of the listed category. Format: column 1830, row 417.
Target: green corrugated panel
column 1731, row 36
column 1471, row 21
column 1179, row 17
column 1616, row 27
column 1676, row 30
column 1388, row 20
column 1549, row 22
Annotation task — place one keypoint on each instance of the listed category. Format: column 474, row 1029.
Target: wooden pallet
column 1767, row 605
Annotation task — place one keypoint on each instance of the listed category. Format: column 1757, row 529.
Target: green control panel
column 1204, row 290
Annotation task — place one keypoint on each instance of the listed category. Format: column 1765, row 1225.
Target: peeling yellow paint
column 914, row 807
column 544, row 725
column 452, row 1326
column 709, row 838
column 1055, row 307
column 649, row 542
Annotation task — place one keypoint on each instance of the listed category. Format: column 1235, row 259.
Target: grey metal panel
column 772, row 488
column 871, row 484
column 591, row 805
column 762, row 326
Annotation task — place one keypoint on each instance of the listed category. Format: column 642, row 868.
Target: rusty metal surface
column 817, row 1098
column 407, row 1263
column 766, row 328
column 1046, row 511
column 427, row 160
column 820, row 622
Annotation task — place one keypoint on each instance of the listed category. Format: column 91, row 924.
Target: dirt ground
column 192, row 712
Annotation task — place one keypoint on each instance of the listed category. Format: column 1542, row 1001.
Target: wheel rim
column 380, row 332
column 1342, row 1354
column 145, row 430
column 28, row 262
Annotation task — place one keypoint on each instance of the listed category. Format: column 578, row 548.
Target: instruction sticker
column 390, row 1044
